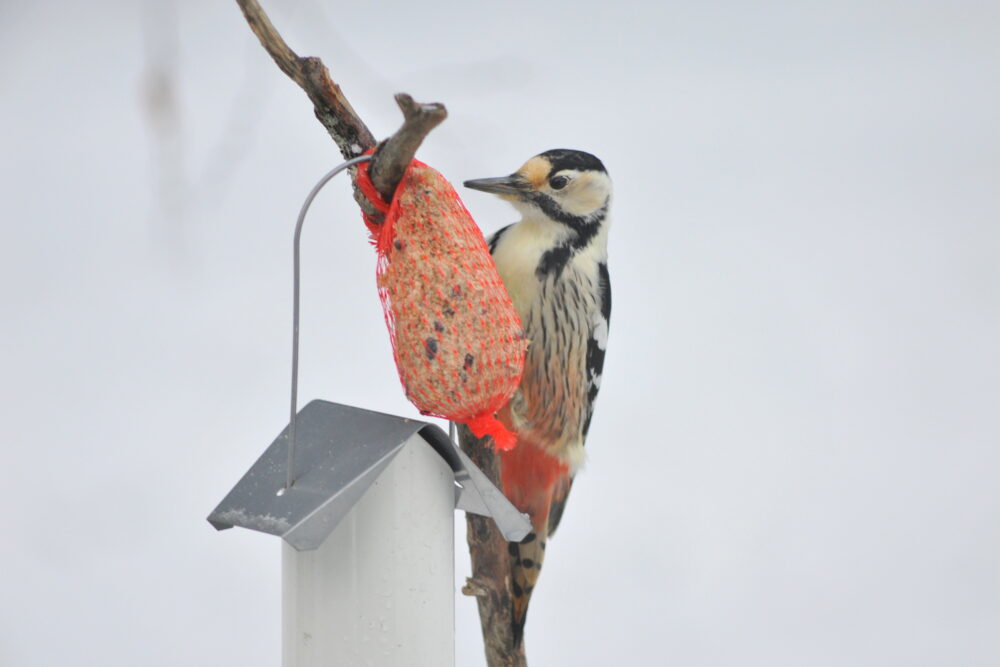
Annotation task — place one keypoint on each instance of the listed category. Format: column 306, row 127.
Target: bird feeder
column 368, row 560
column 364, row 503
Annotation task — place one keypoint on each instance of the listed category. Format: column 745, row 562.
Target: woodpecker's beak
column 515, row 184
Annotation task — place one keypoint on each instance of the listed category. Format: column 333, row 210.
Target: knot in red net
column 456, row 338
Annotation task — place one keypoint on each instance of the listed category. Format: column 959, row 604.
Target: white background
column 794, row 459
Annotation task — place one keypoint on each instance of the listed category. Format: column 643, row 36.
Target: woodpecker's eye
column 558, row 182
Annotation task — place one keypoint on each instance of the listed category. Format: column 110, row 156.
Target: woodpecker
column 554, row 265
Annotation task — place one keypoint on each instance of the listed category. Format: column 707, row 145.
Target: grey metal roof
column 340, row 450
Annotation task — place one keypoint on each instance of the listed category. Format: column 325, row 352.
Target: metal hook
column 295, row 309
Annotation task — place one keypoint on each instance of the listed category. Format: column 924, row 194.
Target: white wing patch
column 601, row 331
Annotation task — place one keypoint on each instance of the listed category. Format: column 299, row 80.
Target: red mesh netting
column 457, row 340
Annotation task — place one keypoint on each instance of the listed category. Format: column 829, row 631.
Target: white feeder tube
column 379, row 591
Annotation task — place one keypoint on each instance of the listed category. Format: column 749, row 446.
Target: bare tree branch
column 394, row 154
column 337, row 115
column 491, row 568
column 332, row 109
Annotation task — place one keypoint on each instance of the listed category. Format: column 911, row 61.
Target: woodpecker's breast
column 559, row 293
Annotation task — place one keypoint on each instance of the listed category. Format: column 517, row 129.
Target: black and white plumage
column 554, row 263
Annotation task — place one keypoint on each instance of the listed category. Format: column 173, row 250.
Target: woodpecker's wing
column 560, row 495
column 598, row 342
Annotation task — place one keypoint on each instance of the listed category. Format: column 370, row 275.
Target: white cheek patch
column 587, row 193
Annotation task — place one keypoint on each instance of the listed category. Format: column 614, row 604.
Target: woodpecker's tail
column 538, row 484
column 526, row 564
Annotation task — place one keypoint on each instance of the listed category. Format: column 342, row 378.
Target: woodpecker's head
column 567, row 186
